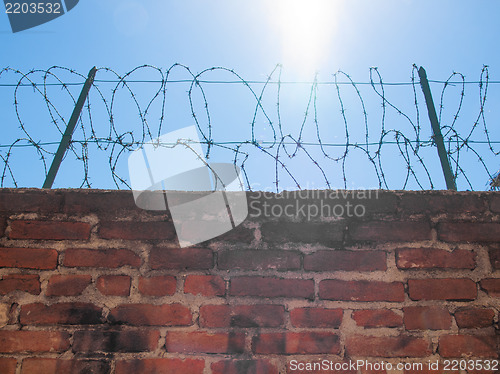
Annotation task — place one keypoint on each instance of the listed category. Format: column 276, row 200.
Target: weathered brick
column 160, row 366
column 495, row 203
column 390, row 231
column 305, row 342
column 240, row 234
column 115, row 341
column 105, row 258
column 345, row 260
column 333, row 289
column 19, row 282
column 243, row 366
column 33, row 341
column 426, row 318
column 271, row 287
column 204, row 342
column 259, row 260
column 242, row 315
column 439, row 201
column 495, row 257
column 387, row 346
column 28, row 201
column 8, row 365
column 114, row 285
column 133, row 230
column 63, row 366
column 377, row 318
column 316, row 317
column 491, row 286
column 152, row 315
column 470, row 318
column 3, row 226
column 205, row 285
column 178, row 259
column 468, row 346
column 310, row 232
column 61, row 314
column 49, row 230
column 104, row 203
column 28, row 258
column 469, row 231
column 429, row 258
column 68, row 285
column 162, row 285
column 442, row 289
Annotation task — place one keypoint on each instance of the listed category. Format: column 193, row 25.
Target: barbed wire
column 310, row 141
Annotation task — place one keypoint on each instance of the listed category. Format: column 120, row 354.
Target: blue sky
column 252, row 37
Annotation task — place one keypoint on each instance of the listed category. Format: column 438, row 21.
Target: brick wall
column 91, row 284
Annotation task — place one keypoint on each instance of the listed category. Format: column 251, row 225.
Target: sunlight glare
column 305, row 30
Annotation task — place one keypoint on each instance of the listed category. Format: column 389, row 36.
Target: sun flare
column 305, row 30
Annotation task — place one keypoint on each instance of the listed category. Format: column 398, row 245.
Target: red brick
column 203, row 342
column 242, row 315
column 440, row 201
column 133, row 230
column 62, row 366
column 160, row 366
column 105, row 258
column 178, row 259
column 346, row 261
column 27, row 201
column 205, row 285
column 49, row 230
column 272, row 287
column 377, row 318
column 28, row 258
column 8, row 365
column 387, row 346
column 243, row 366
column 491, row 286
column 259, row 260
column 152, row 315
column 426, row 318
column 115, row 341
column 19, row 282
column 470, row 318
column 68, row 285
column 467, row 346
column 114, row 285
column 303, row 232
column 469, row 232
column 305, row 342
column 333, row 289
column 316, row 317
column 495, row 257
column 429, row 258
column 442, row 289
column 163, row 285
column 33, row 341
column 390, row 231
column 61, row 314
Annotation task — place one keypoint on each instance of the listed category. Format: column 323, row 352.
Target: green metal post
column 66, row 139
column 436, row 129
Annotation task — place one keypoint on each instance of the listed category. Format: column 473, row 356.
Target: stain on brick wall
column 89, row 283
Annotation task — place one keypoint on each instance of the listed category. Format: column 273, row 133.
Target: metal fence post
column 436, row 129
column 63, row 146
